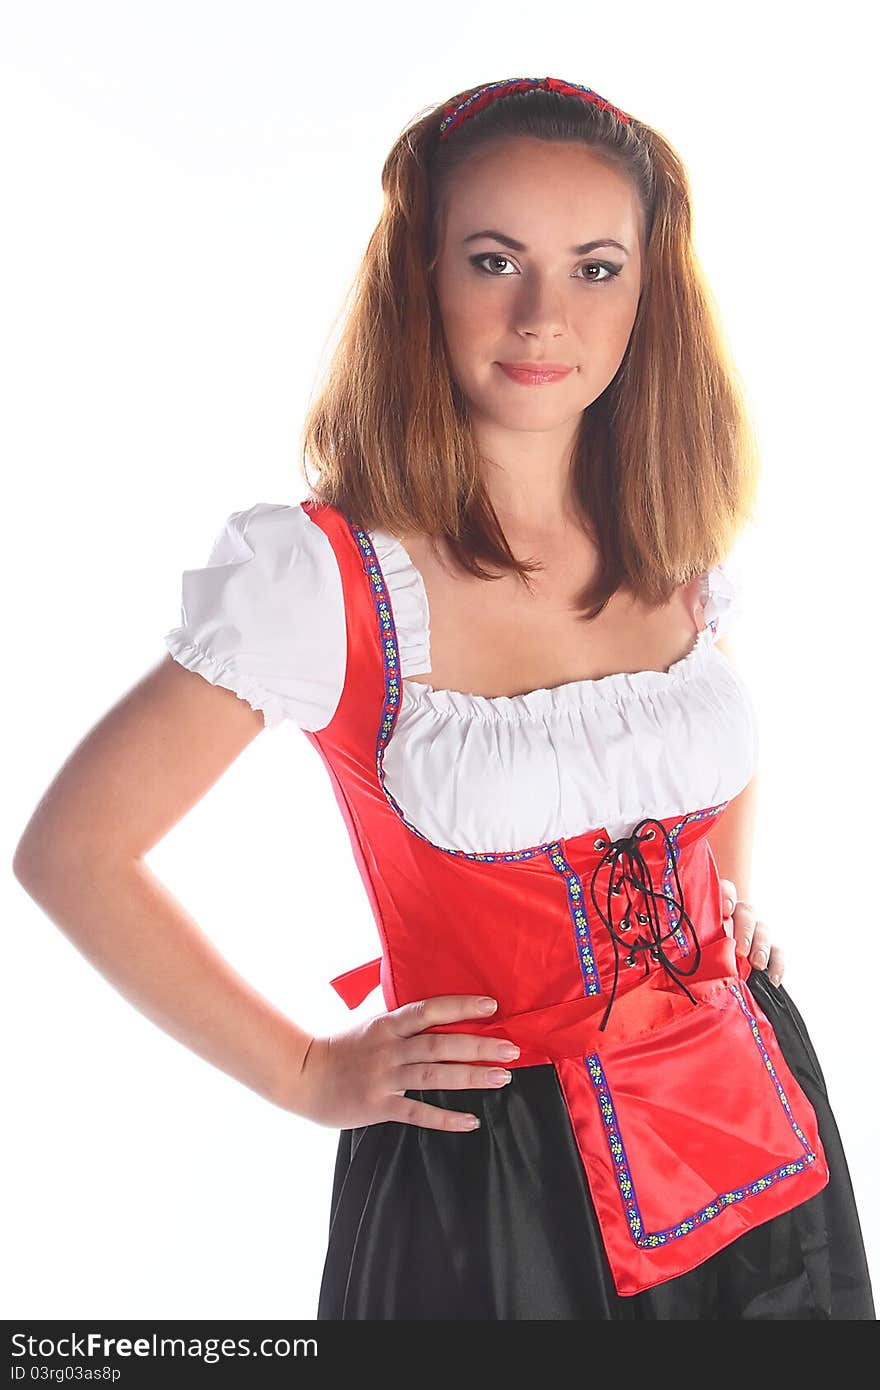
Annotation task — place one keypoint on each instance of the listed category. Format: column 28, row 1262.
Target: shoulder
column 264, row 615
column 720, row 598
column 717, row 594
column 268, row 532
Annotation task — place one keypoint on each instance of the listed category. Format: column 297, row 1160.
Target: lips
column 535, row 373
column 537, row 366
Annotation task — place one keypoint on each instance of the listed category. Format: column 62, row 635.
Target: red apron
column 608, row 959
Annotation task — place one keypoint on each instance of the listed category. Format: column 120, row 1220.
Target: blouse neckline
column 560, row 699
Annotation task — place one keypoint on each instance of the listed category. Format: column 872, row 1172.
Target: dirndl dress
column 666, row 1146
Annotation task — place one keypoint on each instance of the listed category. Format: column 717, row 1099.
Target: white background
column 187, row 191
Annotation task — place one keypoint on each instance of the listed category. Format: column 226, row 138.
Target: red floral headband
column 455, row 115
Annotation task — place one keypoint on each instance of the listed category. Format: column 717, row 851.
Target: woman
column 548, row 780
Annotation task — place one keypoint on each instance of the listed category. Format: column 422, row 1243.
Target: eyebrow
column 521, row 246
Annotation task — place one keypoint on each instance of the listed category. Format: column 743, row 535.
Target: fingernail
column 760, row 959
column 487, row 1005
column 776, row 979
column 728, row 903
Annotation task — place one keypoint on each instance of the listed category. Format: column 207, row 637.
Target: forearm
column 732, row 839
column 122, row 918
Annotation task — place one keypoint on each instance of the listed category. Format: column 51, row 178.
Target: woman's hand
column 358, row 1077
column 751, row 935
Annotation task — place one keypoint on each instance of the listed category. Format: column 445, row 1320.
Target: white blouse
column 265, row 617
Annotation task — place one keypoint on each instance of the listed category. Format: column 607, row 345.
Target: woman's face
column 545, row 298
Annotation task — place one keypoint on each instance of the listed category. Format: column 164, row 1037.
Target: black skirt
column 500, row 1223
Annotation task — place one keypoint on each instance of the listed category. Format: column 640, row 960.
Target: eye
column 611, row 271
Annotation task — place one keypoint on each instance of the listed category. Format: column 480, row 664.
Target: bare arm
column 732, row 837
column 150, row 759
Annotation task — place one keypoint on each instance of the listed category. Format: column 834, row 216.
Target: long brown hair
column 666, row 461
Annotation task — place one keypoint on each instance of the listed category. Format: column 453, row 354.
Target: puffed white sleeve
column 265, row 616
column 721, row 596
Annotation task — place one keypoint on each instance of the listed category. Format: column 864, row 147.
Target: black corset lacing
column 628, row 864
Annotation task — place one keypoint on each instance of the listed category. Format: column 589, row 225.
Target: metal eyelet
column 641, row 916
column 618, row 888
column 649, row 834
column 630, row 959
column 599, row 843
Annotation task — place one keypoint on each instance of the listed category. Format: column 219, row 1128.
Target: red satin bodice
column 609, row 960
